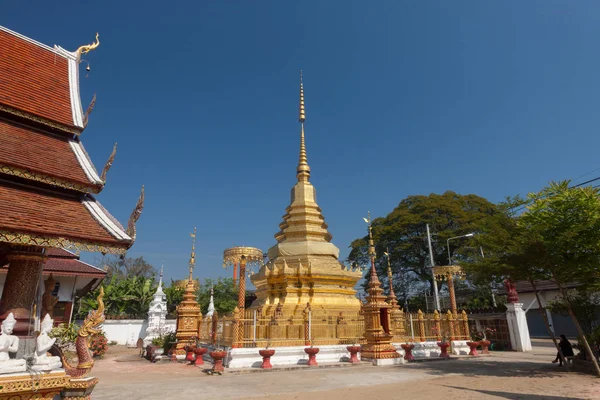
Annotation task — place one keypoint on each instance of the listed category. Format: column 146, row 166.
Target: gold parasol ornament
column 443, row 272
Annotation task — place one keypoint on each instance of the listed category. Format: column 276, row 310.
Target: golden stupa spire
column 193, row 255
column 303, row 170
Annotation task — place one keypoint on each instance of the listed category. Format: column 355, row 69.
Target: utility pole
column 491, row 283
column 435, row 288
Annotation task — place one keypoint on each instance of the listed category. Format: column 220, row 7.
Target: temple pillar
column 235, row 274
column 452, row 295
column 20, row 287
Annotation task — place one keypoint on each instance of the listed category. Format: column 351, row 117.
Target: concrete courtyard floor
column 504, row 375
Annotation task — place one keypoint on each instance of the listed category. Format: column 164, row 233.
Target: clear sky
column 494, row 98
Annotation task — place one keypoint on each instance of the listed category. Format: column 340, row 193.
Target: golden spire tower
column 303, row 170
column 304, row 266
column 188, row 311
column 193, row 254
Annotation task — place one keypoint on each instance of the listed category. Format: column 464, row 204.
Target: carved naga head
column 92, row 323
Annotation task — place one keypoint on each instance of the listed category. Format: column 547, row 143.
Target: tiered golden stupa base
column 188, row 318
column 288, row 284
column 379, row 347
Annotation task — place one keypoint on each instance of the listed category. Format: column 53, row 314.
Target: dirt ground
column 507, row 375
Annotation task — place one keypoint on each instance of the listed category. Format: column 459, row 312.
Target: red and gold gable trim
column 26, row 174
column 49, row 241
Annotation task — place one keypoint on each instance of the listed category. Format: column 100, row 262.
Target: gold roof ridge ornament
column 135, row 215
column 193, row 254
column 89, row 47
column 303, row 170
column 109, row 163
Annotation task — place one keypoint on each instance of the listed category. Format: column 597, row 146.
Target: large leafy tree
column 403, row 232
column 556, row 238
column 564, row 223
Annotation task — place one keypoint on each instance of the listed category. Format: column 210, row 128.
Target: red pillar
column 20, row 287
column 235, row 273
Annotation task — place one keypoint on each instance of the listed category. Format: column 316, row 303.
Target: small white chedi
column 157, row 313
column 10, row 344
column 44, row 362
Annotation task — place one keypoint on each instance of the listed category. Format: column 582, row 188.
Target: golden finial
column 108, row 164
column 302, row 112
column 89, row 47
column 303, row 170
column 371, row 245
column 193, row 255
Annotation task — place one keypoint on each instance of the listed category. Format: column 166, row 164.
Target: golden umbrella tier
column 442, row 272
column 233, row 255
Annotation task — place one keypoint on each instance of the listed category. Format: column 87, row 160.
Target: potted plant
column 189, row 350
column 266, row 354
column 484, row 343
column 474, row 343
column 354, row 349
column 218, row 355
column 199, row 351
column 408, row 347
column 312, row 355
column 157, row 345
column 444, row 344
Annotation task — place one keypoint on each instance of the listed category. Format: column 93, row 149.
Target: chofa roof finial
column 89, row 47
column 135, row 215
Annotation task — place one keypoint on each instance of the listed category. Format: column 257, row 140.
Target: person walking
column 566, row 348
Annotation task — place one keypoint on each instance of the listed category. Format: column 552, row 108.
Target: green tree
column 403, row 232
column 174, row 297
column 225, row 295
column 564, row 224
column 556, row 238
column 584, row 304
column 122, row 297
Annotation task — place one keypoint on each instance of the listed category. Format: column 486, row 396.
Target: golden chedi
column 188, row 311
column 304, row 266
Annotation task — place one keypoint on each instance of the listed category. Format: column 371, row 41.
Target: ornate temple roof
column 61, row 262
column 34, row 216
column 46, row 157
column 43, row 84
column 46, row 176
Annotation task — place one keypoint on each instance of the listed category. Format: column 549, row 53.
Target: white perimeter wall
column 128, row 331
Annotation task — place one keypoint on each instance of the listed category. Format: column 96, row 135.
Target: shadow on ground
column 515, row 396
column 491, row 367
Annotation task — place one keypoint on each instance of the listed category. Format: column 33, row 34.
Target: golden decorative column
column 188, row 311
column 376, row 313
column 241, row 256
column 20, row 287
column 448, row 273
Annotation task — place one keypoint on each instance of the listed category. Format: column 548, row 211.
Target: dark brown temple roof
column 58, row 220
column 61, row 262
column 49, row 158
column 45, row 174
column 42, row 81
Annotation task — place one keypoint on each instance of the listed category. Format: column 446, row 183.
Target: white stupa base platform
column 460, row 348
column 293, row 355
column 382, row 362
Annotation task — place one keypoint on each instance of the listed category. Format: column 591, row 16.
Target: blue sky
column 494, row 98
